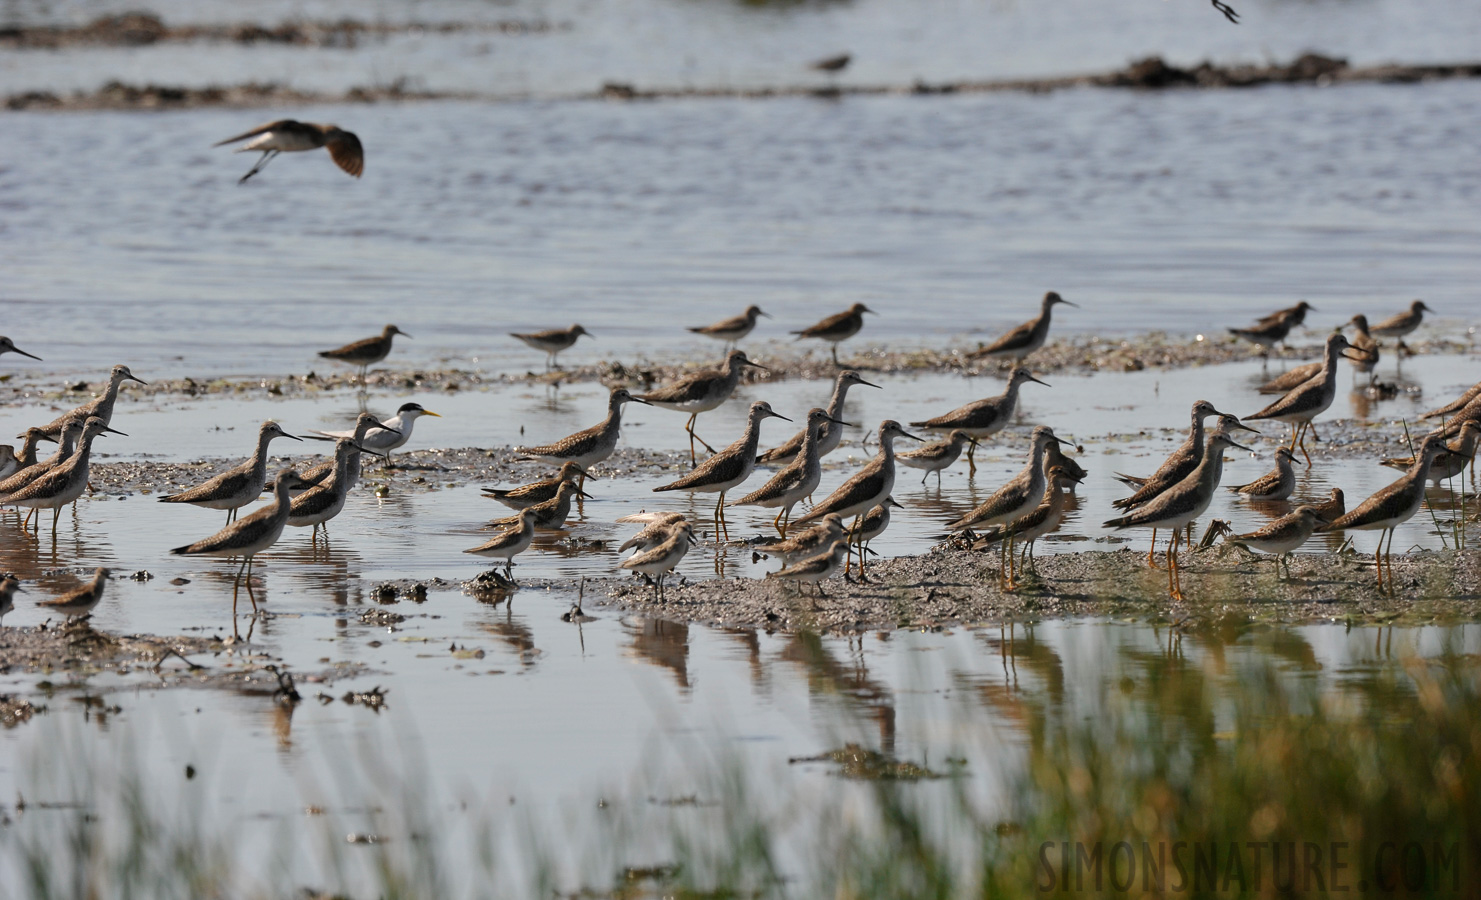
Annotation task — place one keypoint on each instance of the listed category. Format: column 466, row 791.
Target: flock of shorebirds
column 839, row 527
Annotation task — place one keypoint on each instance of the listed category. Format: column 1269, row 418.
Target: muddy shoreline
column 142, row 29
column 1152, row 73
column 425, row 470
column 1081, row 354
column 958, row 588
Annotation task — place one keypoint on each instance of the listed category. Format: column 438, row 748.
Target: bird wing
column 689, row 389
column 827, row 326
column 348, row 153
column 790, row 449
column 1014, row 338
column 731, row 459
column 356, row 348
column 260, row 129
column 225, row 537
column 730, row 324
column 979, row 416
column 1394, row 321
column 859, row 484
column 228, row 482
column 1291, row 402
column 1262, row 485
column 1294, row 378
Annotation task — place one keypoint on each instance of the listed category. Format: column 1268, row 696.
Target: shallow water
column 949, row 215
column 124, row 238
column 726, row 44
column 553, row 716
column 1123, row 422
column 554, row 713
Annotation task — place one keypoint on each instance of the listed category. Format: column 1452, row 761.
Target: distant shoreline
column 786, row 361
column 1152, row 73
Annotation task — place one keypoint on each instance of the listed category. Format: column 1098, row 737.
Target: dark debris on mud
column 416, row 471
column 76, row 651
column 17, row 710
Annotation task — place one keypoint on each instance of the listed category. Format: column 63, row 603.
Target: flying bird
column 289, row 136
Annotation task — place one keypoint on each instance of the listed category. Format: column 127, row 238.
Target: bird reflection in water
column 328, row 570
column 827, row 677
column 663, row 643
column 514, row 634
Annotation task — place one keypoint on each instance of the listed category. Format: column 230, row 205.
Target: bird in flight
column 1227, row 10
column 287, row 135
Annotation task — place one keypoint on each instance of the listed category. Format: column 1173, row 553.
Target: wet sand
column 1152, row 73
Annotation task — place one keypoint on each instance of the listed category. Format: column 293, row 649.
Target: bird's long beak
column 760, row 313
column 364, row 449
column 756, row 365
column 1037, row 381
column 107, row 430
column 777, row 415
column 293, row 436
column 1063, row 441
column 639, row 400
column 388, row 427
column 1241, row 446
column 840, row 422
column 868, row 384
column 1068, row 303
column 904, row 433
column 24, row 353
column 134, row 378
column 891, row 502
column 1241, row 426
column 582, row 493
column 428, row 412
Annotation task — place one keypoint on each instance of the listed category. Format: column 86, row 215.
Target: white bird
column 392, row 435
